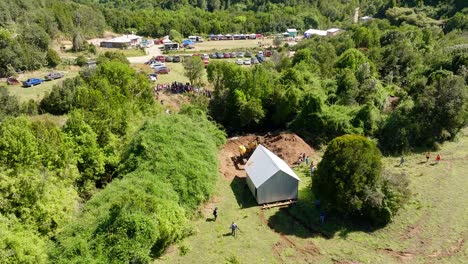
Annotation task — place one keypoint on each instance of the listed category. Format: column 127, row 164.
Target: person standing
column 307, row 160
column 437, row 158
column 215, row 213
column 428, row 156
column 402, row 161
column 312, row 168
column 234, row 228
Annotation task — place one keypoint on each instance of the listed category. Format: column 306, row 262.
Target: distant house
column 292, row 32
column 269, row 178
column 323, row 33
column 122, row 42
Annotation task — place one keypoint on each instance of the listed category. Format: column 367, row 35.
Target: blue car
column 32, row 81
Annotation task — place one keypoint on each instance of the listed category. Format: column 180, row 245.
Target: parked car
column 12, row 81
column 261, row 58
column 32, row 81
column 232, row 54
column 168, row 59
column 160, row 58
column 267, row 53
column 162, row 70
column 248, row 54
column 157, row 64
column 247, row 62
column 260, row 53
column 254, row 61
column 53, row 75
column 213, row 56
column 176, row 58
column 239, row 62
column 227, row 55
column 219, row 55
column 240, row 55
column 205, row 56
column 152, row 77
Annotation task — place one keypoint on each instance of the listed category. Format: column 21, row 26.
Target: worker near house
column 215, row 213
column 234, row 229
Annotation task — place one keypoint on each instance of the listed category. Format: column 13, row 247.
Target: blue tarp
column 187, row 42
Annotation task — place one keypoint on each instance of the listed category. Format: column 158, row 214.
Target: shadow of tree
column 242, row 193
column 303, row 220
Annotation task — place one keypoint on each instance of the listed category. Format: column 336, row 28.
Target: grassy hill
column 431, row 228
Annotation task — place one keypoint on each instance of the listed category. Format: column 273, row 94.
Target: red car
column 227, row 55
column 267, row 53
column 12, row 81
column 161, row 58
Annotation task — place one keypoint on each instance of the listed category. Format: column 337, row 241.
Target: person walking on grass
column 234, row 229
column 215, row 213
column 437, row 158
column 402, row 161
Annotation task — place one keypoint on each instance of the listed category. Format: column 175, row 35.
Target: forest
column 117, row 180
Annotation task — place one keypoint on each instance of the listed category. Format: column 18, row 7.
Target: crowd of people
column 178, row 87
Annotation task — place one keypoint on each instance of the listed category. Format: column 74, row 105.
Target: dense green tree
column 194, row 68
column 52, row 57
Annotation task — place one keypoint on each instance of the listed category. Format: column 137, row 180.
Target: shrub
column 52, row 57
column 349, row 181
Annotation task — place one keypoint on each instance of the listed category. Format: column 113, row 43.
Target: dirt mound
column 287, row 146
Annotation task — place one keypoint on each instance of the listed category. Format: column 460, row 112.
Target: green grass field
column 431, row 228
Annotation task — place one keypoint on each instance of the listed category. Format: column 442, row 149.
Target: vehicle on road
column 247, row 62
column 162, row 70
column 32, row 81
column 53, row 75
column 239, row 62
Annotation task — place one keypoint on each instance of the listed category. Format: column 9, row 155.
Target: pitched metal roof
column 263, row 164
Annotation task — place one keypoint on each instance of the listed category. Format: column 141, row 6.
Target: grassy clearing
column 431, row 228
column 37, row 92
column 176, row 74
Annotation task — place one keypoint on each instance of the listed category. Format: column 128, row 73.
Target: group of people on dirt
column 428, row 156
column 178, row 87
column 233, row 227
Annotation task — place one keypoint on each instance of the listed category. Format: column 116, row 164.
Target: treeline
column 405, row 86
column 28, row 27
column 54, row 206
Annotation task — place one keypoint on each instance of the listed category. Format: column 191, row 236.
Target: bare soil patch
column 285, row 145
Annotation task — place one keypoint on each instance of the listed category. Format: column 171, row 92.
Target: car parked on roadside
column 239, row 62
column 168, row 59
column 247, row 62
column 53, row 75
column 205, row 57
column 213, row 56
column 32, row 81
column 157, row 64
column 240, row 55
column 267, row 53
column 160, row 58
column 254, row 61
column 162, row 70
column 219, row 55
column 176, row 58
column 12, row 81
column 261, row 58
column 232, row 54
column 227, row 55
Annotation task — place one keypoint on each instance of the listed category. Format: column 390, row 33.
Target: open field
column 38, row 92
column 431, row 228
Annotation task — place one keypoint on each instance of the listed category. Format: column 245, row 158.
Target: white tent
column 269, row 178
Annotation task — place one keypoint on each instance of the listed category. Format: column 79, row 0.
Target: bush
column 81, row 60
column 52, row 57
column 349, row 181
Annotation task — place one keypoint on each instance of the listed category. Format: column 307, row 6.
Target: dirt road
column 150, row 52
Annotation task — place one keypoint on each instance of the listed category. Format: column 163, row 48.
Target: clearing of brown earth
column 287, row 146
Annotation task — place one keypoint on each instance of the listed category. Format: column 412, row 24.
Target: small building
column 311, row 32
column 333, row 31
column 171, row 46
column 269, row 178
column 122, row 42
column 366, row 19
column 292, row 32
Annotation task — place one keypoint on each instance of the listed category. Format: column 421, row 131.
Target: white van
column 195, row 38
